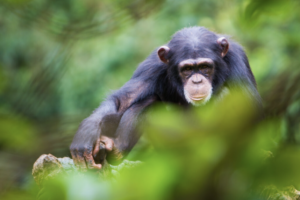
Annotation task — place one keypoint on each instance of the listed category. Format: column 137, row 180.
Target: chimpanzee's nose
column 196, row 79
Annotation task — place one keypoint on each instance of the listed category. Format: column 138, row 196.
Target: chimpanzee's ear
column 162, row 53
column 224, row 45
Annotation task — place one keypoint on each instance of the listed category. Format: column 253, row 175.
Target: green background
column 60, row 59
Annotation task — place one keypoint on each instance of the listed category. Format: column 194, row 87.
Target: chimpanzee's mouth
column 197, row 98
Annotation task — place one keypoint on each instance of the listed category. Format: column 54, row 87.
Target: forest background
column 60, row 59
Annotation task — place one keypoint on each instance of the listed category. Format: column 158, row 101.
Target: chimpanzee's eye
column 188, row 68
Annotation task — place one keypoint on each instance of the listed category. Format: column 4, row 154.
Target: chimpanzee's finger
column 73, row 154
column 109, row 143
column 76, row 163
column 81, row 163
column 90, row 161
column 74, row 157
column 96, row 148
column 78, row 159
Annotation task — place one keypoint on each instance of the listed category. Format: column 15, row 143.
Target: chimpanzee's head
column 195, row 59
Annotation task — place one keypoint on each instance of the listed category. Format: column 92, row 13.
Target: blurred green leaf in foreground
column 59, row 59
column 219, row 151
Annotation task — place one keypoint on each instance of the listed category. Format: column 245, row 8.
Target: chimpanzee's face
column 198, row 69
column 197, row 75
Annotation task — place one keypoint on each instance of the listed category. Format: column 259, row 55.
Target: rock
column 48, row 166
column 271, row 192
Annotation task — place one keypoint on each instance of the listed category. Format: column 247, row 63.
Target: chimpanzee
column 195, row 67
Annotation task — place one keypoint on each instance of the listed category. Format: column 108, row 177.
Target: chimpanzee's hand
column 86, row 144
column 103, row 144
column 83, row 156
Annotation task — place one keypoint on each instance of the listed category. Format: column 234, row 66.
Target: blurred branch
column 82, row 19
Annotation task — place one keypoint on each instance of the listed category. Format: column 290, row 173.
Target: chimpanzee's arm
column 131, row 98
column 127, row 133
column 88, row 132
column 126, row 104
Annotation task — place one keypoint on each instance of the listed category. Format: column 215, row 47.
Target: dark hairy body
column 195, row 67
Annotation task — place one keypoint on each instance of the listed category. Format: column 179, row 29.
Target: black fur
column 155, row 81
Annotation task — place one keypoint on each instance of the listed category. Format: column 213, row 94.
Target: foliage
column 59, row 59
